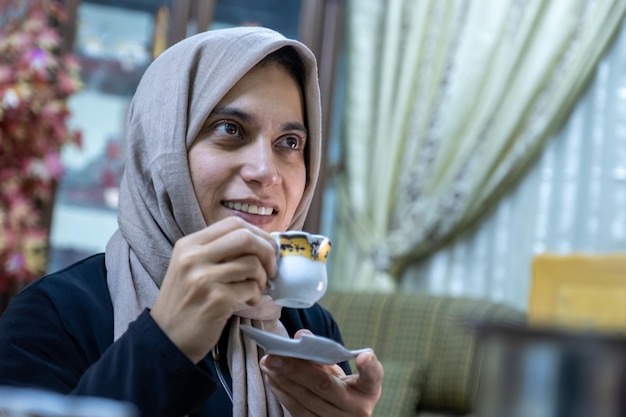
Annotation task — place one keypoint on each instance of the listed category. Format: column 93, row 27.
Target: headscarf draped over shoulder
column 158, row 205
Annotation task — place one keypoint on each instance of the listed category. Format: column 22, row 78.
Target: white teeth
column 250, row 208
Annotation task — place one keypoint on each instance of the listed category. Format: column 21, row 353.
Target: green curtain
column 447, row 102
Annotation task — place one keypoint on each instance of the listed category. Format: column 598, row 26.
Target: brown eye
column 291, row 142
column 228, row 128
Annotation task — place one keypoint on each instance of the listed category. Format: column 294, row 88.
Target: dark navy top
column 57, row 334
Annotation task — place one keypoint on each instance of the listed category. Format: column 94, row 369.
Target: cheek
column 195, row 171
column 204, row 172
column 296, row 185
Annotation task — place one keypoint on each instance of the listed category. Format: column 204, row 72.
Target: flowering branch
column 36, row 80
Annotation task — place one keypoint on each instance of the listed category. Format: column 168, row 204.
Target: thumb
column 300, row 332
column 370, row 374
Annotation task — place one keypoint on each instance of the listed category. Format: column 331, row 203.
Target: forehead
column 263, row 74
column 267, row 89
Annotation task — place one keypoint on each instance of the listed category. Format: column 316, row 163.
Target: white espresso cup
column 302, row 279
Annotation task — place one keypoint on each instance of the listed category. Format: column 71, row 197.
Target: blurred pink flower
column 36, row 80
column 15, row 262
column 6, row 74
column 54, row 165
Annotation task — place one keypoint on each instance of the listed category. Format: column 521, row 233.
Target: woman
column 223, row 147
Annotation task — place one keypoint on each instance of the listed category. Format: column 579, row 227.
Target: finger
column 298, row 404
column 248, row 292
column 247, row 267
column 223, row 299
column 226, row 244
column 241, row 242
column 226, row 226
column 291, row 402
column 300, row 332
column 317, row 387
column 310, row 398
column 370, row 374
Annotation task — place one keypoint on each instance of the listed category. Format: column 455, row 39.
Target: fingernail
column 274, row 362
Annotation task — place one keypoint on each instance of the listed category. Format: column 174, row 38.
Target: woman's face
column 248, row 159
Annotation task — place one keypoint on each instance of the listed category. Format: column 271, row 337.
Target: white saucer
column 310, row 347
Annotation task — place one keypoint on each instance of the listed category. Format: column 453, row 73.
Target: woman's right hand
column 211, row 273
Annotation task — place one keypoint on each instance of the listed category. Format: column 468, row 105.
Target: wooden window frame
column 321, row 25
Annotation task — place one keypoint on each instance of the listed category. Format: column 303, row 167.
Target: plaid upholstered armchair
column 431, row 356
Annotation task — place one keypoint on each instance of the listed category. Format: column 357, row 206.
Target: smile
column 249, row 208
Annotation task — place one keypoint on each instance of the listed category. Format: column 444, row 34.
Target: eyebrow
column 230, row 111
column 248, row 118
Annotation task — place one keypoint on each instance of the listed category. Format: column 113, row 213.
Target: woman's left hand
column 308, row 389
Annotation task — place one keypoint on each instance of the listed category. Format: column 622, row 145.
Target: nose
column 260, row 165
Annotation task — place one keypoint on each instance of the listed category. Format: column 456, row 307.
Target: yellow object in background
column 581, row 291
column 160, row 31
column 35, row 249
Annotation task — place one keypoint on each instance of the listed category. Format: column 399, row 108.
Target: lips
column 249, row 208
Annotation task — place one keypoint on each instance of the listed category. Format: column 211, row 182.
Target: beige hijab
column 157, row 201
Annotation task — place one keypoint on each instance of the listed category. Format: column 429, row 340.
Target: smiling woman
column 224, row 144
column 250, row 160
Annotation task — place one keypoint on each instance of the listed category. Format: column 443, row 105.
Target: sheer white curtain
column 446, row 103
column 573, row 200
